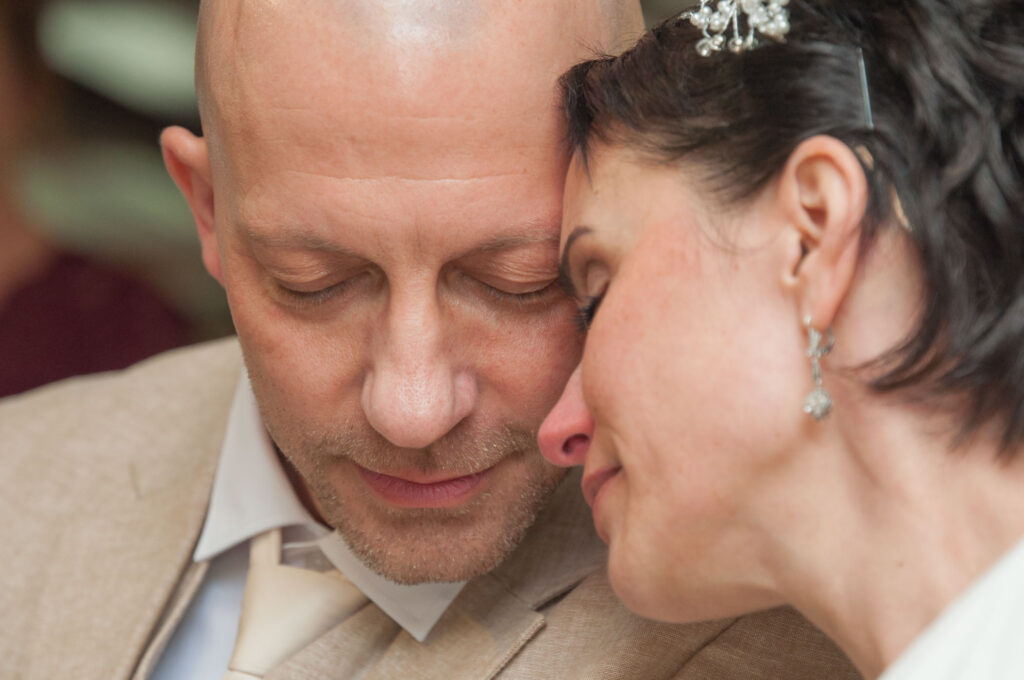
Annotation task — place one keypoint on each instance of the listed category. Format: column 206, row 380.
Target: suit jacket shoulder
column 104, row 482
column 149, row 399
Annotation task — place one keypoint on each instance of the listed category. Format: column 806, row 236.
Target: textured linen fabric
column 979, row 635
column 104, row 485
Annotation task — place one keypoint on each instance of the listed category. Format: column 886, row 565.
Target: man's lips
column 593, row 482
column 424, row 492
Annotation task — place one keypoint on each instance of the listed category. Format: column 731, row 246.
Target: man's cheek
column 534, row 375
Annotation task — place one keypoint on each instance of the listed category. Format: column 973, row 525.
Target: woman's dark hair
column 946, row 80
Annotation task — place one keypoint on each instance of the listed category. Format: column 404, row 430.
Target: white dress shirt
column 980, row 636
column 251, row 495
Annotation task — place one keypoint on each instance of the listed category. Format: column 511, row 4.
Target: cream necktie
column 285, row 608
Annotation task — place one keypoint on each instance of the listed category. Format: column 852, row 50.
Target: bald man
column 351, row 489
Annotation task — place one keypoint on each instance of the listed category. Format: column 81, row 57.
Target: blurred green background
column 97, row 184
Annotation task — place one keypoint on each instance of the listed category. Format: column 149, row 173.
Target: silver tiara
column 770, row 18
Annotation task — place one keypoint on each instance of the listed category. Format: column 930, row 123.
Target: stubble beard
column 420, row 545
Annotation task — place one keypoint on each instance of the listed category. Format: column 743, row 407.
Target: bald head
column 411, row 45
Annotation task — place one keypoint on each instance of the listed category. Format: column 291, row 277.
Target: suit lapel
column 116, row 564
column 488, row 623
column 480, row 632
column 174, row 612
column 484, row 628
column 113, row 574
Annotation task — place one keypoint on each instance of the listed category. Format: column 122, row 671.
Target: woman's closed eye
column 586, row 312
column 581, row 270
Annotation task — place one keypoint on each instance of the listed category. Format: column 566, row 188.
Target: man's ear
column 188, row 161
column 822, row 195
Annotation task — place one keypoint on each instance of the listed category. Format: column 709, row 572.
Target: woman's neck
column 900, row 526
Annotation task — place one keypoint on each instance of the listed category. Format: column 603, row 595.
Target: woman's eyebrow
column 564, row 277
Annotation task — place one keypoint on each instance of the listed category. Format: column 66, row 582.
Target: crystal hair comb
column 765, row 17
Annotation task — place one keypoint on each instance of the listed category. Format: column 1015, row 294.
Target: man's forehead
column 334, row 95
column 502, row 209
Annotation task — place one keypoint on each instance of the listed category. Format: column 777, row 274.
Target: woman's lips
column 593, row 483
column 407, row 493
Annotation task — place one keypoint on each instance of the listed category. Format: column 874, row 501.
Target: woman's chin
column 666, row 593
column 642, row 591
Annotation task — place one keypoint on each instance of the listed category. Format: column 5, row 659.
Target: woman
column 775, row 211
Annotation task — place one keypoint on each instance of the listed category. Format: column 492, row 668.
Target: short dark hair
column 946, row 82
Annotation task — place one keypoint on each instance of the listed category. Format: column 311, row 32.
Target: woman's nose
column 565, row 434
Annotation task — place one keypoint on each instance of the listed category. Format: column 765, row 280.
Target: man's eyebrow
column 564, row 277
column 292, row 240
column 517, row 241
column 304, row 240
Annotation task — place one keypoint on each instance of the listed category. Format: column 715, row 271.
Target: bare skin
column 379, row 192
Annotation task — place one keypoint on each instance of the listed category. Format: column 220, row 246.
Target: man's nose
column 413, row 394
column 565, row 434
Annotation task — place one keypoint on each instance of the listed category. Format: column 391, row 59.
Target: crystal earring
column 818, row 403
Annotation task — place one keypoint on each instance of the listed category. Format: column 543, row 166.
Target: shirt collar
column 415, row 608
column 252, row 494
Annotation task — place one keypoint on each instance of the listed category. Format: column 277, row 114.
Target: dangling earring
column 818, row 403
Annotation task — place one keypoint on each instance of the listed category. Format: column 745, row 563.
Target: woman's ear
column 822, row 195
column 188, row 161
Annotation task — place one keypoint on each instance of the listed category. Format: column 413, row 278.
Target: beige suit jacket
column 104, row 483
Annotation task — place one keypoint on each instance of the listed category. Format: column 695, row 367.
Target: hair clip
column 770, row 18
column 865, row 92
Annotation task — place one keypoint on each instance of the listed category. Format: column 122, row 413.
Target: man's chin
column 446, row 544
column 431, row 550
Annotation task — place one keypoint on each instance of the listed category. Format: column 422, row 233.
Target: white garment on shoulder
column 980, row 636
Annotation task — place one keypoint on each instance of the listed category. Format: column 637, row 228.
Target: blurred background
column 656, row 10
column 86, row 86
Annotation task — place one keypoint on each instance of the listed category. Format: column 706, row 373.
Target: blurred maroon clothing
column 81, row 317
